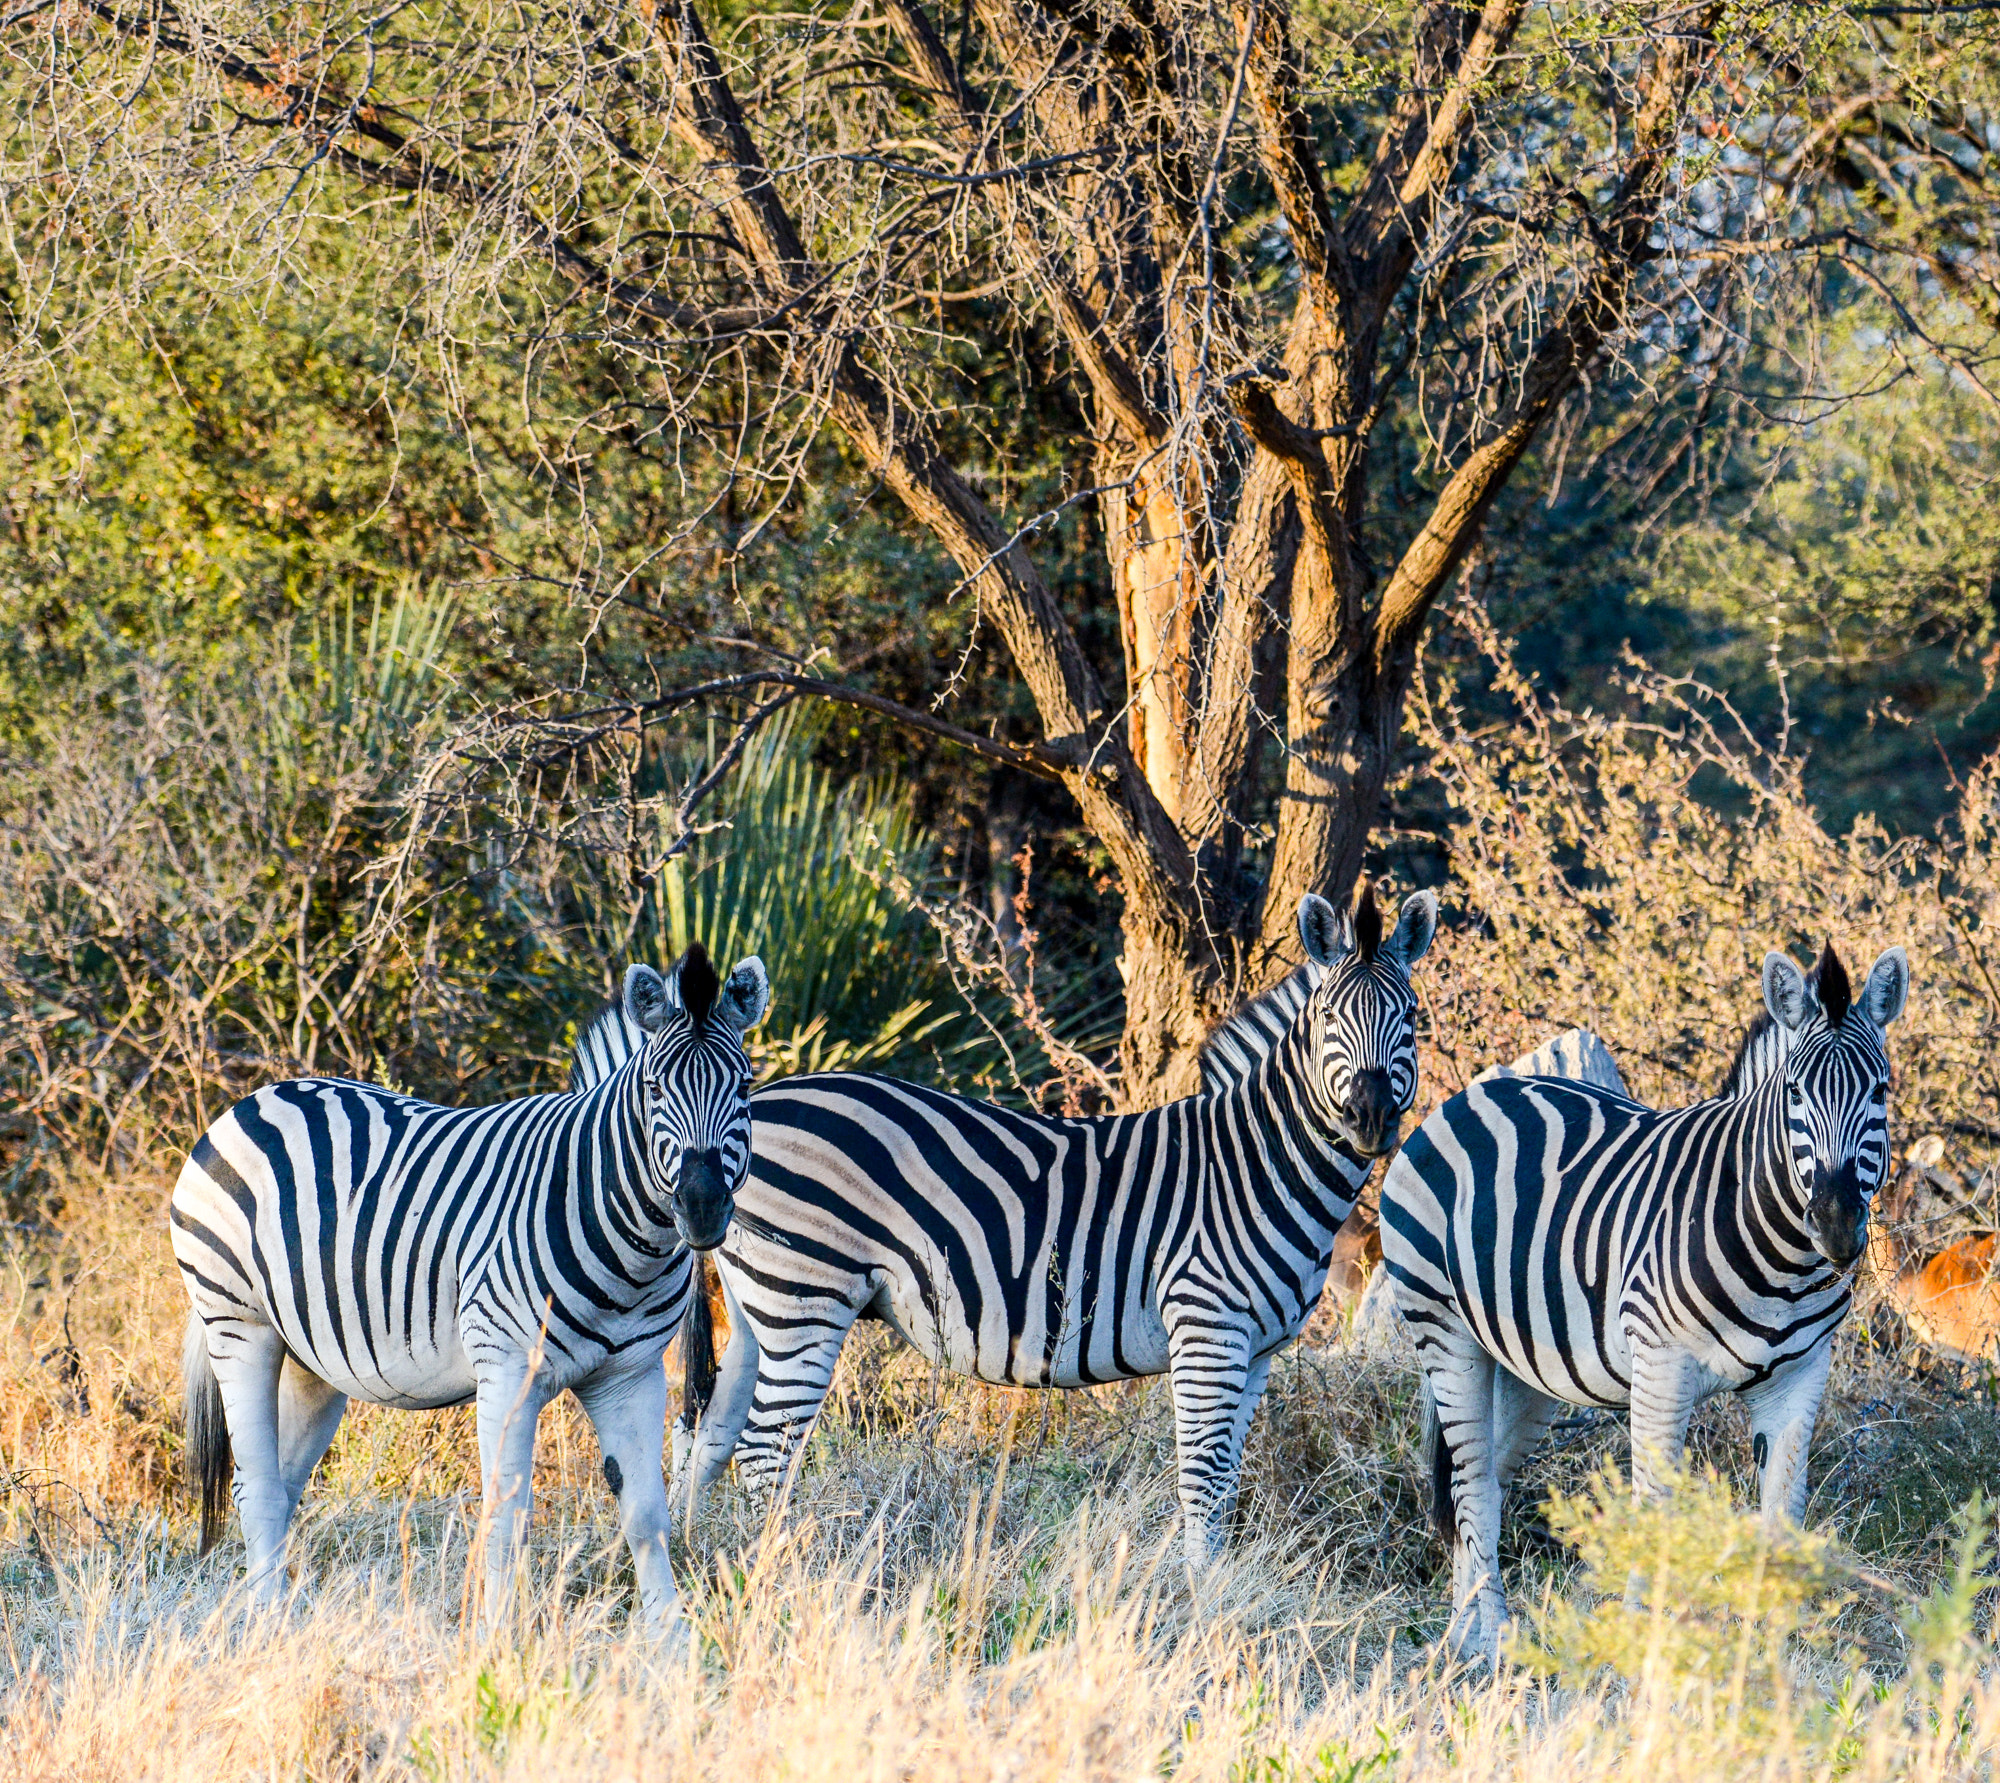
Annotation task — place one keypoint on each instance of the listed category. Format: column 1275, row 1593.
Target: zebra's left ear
column 1414, row 930
column 746, row 994
column 1888, row 987
column 1328, row 934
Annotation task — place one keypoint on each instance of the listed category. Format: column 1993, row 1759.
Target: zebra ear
column 745, row 995
column 1888, row 987
column 1414, row 930
column 1327, row 933
column 1786, row 994
column 646, row 998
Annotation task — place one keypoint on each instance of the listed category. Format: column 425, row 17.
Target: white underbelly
column 416, row 1376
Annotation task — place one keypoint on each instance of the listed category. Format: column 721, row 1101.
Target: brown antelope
column 1951, row 1301
column 1948, row 1290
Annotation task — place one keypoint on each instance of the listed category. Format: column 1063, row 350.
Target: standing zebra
column 341, row 1242
column 1038, row 1251
column 1551, row 1242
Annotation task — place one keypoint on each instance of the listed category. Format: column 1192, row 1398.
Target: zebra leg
column 1665, row 1389
column 1521, row 1418
column 1666, row 1386
column 628, row 1410
column 1213, row 1378
column 247, row 1360
column 1463, row 1385
column 1254, row 1384
column 786, row 1393
column 508, row 1404
column 700, row 1459
column 1783, row 1411
column 309, row 1412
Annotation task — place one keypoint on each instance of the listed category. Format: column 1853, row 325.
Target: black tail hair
column 698, row 1347
column 209, row 1462
column 1443, row 1507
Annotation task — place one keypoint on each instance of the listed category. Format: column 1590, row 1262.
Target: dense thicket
column 270, row 374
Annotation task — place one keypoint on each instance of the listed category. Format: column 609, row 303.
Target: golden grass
column 967, row 1583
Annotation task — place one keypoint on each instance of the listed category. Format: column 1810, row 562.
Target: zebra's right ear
column 1327, row 933
column 1786, row 994
column 745, row 995
column 646, row 1002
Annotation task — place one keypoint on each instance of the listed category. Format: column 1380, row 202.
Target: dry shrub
column 210, row 880
column 1629, row 873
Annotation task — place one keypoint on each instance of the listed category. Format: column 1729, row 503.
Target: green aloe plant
column 812, row 874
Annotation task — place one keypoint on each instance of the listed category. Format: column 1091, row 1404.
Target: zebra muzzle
column 704, row 1202
column 1370, row 1112
column 1837, row 1215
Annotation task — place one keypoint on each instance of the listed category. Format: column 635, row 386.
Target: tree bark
column 1124, row 251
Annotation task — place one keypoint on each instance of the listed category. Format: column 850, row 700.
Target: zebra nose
column 704, row 1204
column 1371, row 1108
column 1837, row 1215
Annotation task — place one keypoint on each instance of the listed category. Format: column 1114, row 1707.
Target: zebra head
column 1836, row 1092
column 1364, row 1014
column 696, row 1082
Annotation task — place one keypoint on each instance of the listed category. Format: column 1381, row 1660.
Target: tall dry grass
column 967, row 1582
column 973, row 1582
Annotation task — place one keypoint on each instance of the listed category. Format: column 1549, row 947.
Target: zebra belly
column 1074, row 1359
column 415, row 1377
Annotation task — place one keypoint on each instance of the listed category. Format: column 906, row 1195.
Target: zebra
column 340, row 1241
column 1554, row 1242
column 1039, row 1251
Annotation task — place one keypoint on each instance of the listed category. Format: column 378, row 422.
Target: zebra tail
column 698, row 1347
column 1443, row 1508
column 208, row 1456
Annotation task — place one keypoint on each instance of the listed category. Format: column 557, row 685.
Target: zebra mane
column 1836, row 995
column 1367, row 923
column 1765, row 1043
column 613, row 1036
column 1235, row 1049
column 698, row 983
column 611, row 1039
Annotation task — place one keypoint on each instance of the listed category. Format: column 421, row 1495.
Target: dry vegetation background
column 971, row 1582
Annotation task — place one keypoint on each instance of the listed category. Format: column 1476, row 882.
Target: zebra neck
column 1286, row 1151
column 611, row 1170
column 1769, row 1203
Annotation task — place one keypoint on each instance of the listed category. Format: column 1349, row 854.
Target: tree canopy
column 1110, row 391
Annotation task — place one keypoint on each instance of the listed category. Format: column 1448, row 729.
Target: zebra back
column 1576, row 1055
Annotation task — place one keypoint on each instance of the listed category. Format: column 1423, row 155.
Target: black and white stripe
column 1039, row 1251
column 340, row 1241
column 1555, row 1243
